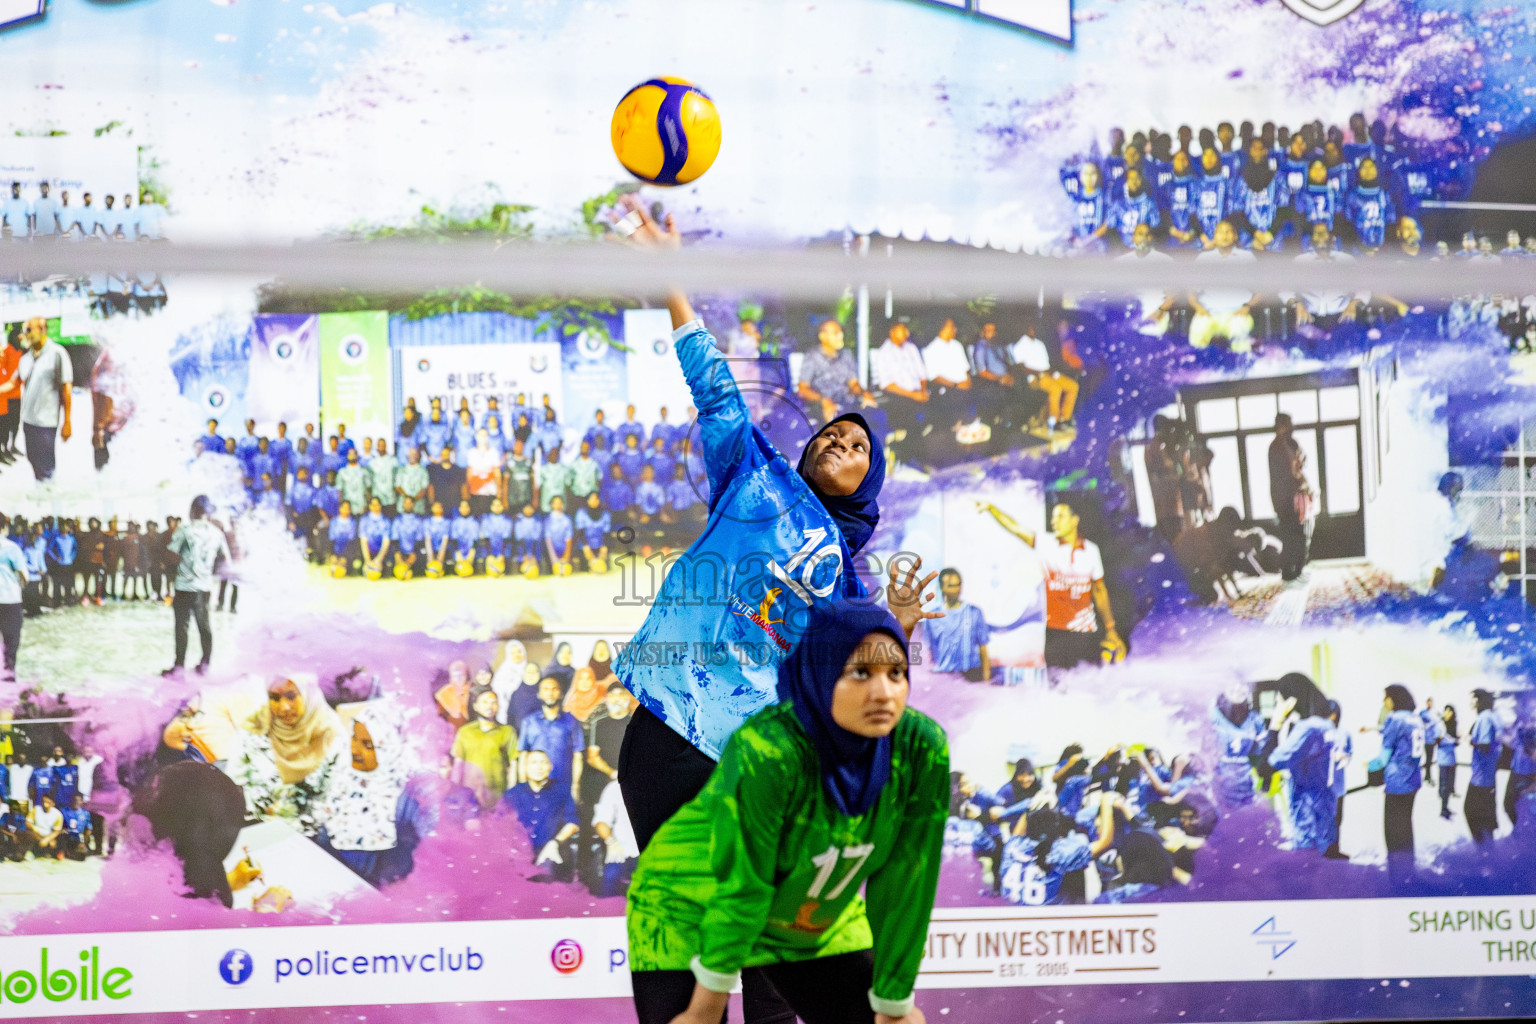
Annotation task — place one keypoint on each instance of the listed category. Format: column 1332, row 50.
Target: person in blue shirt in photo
column 593, row 524
column 617, row 494
column 63, row 549
column 559, row 537
column 660, row 459
column 1212, row 191
column 650, row 499
column 281, row 449
column 247, row 446
column 328, row 495
column 35, row 551
column 267, row 496
column 1178, row 200
column 557, row 733
column 1090, row 210
column 1299, row 155
column 463, row 437
column 211, row 442
column 548, row 435
column 528, row 532
column 630, row 459
column 1304, row 748
column 1480, row 807
column 1445, row 758
column 334, row 460
column 1259, row 200
column 374, row 535
column 405, row 534
column 301, row 502
column 436, row 535
column 341, row 531
column 496, row 532
column 1135, row 206
column 465, row 532
column 598, row 430
column 957, row 642
column 1317, row 202
column 76, row 838
column 666, row 433
column 684, row 504
column 344, row 444
column 434, row 435
column 547, row 812
column 1522, row 768
column 1045, row 865
column 1401, row 759
column 1239, row 730
column 1369, row 208
column 602, row 453
column 493, row 412
column 629, row 428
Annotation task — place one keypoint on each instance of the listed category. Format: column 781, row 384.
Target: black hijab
column 856, row 514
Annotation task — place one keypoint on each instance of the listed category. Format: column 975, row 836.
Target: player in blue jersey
column 617, row 494
column 630, row 459
column 1293, row 165
column 1522, row 768
column 1316, row 203
column 528, row 535
column 1239, row 730
column 1258, row 200
column 373, row 537
column 496, row 533
column 1135, row 207
column 778, row 538
column 1445, row 758
column 1341, row 752
column 1211, row 191
column 1090, row 210
column 559, row 537
column 436, row 535
column 1369, row 208
column 464, row 530
column 405, row 533
column 1401, row 758
column 341, row 533
column 1177, row 201
column 1482, row 813
column 1304, row 748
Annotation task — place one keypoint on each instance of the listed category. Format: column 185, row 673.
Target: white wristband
column 891, row 1007
column 715, row 981
column 688, row 328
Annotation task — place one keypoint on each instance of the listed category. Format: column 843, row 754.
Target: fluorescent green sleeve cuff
column 891, row 1007
column 715, row 981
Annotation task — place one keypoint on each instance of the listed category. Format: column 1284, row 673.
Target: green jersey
column 762, row 868
column 352, row 482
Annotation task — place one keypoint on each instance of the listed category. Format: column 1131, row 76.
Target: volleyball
column 372, row 573
column 402, row 571
column 666, row 131
column 434, row 570
column 463, row 567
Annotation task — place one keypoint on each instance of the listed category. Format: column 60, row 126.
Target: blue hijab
column 854, row 768
column 858, row 513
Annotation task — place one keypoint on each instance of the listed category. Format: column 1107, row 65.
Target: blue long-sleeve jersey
column 707, row 656
column 1370, row 210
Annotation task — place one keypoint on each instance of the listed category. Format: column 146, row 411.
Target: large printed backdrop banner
column 1189, row 541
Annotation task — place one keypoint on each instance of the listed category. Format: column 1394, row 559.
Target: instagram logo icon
column 566, row 956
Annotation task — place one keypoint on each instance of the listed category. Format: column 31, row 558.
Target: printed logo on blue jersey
column 236, row 967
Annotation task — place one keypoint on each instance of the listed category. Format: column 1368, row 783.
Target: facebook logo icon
column 236, row 967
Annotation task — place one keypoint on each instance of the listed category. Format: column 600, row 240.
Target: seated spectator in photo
column 484, row 750
column 957, row 641
column 1325, row 310
column 1151, row 312
column 630, row 460
column 374, row 534
column 557, row 734
column 45, row 830
column 1206, row 553
column 1368, row 208
column 518, row 478
column 599, row 429
column 629, row 428
column 1212, row 195
column 496, row 537
column 617, row 494
column 949, row 378
column 528, row 533
column 1223, row 312
column 482, row 478
column 829, row 377
column 1259, row 201
column 446, row 478
column 438, row 534
column 1136, row 206
column 993, row 379
column 593, row 524
column 1090, row 209
column 341, row 533
column 899, row 375
column 464, row 530
column 650, row 499
column 621, row 851
column 559, row 537
column 369, row 819
column 547, row 811
column 406, row 532
column 554, row 478
column 584, row 475
column 661, row 461
column 1033, row 363
column 76, row 839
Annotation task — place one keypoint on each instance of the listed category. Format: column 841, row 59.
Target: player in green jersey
column 838, row 787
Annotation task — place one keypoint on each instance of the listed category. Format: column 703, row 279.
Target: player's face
column 1181, row 163
column 617, row 703
column 549, row 691
column 364, row 757
column 486, row 705
column 871, row 693
column 1367, row 171
column 375, row 506
column 1141, row 238
column 497, row 507
column 839, row 458
column 1256, row 151
column 1226, row 235
column 1133, row 181
column 831, row 335
column 949, row 586
column 1063, row 522
column 464, row 508
column 1322, row 238
column 538, row 767
column 286, row 703
column 1209, row 161
column 1089, row 176
column 900, row 334
column 988, row 332
column 437, row 509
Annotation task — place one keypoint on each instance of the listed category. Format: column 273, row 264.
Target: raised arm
column 1006, row 522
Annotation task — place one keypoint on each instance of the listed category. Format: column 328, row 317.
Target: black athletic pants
column 1482, row 813
column 10, row 633
column 659, row 772
column 827, row 990
column 192, row 604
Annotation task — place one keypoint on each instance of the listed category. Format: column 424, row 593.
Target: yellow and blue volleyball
column 666, row 131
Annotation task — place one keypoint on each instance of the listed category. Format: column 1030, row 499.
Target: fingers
column 927, row 580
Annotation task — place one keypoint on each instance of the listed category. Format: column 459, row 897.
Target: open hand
column 634, row 226
column 905, row 596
